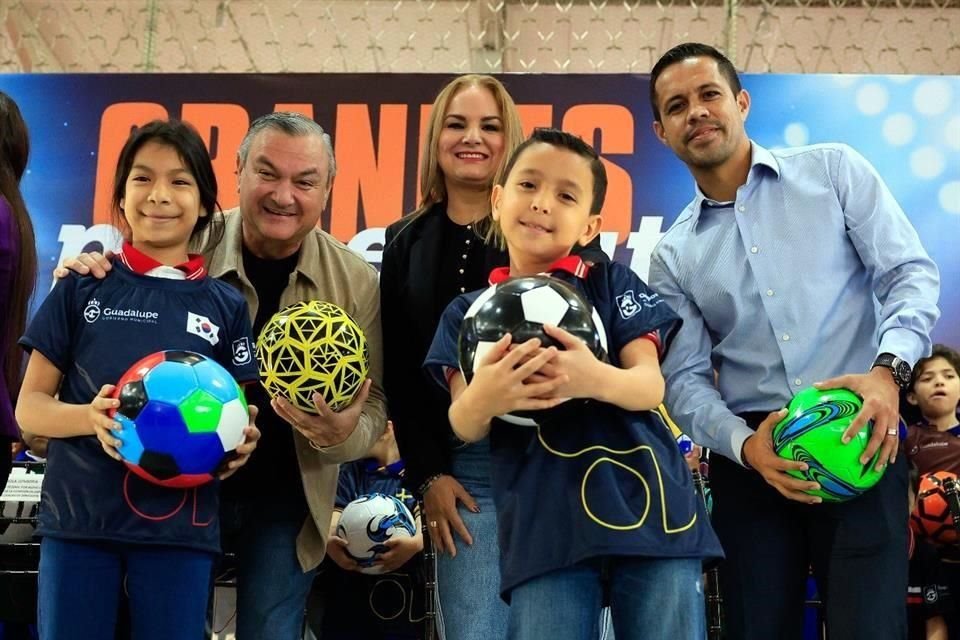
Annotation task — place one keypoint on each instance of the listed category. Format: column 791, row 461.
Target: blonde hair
column 433, row 189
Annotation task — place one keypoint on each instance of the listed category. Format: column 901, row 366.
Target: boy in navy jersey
column 388, row 606
column 102, row 525
column 597, row 505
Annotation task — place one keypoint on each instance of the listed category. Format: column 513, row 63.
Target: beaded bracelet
column 426, row 484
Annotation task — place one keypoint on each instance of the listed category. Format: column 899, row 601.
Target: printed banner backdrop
column 908, row 126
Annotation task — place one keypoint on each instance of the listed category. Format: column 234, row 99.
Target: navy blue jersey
column 390, row 605
column 600, row 480
column 363, row 477
column 92, row 331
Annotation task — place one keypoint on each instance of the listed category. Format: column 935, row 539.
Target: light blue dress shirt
column 810, row 273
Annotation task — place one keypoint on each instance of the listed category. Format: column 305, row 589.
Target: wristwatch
column 901, row 370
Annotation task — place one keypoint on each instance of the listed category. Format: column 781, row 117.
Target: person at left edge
column 18, row 267
column 104, row 529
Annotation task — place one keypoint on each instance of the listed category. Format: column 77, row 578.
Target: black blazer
column 410, row 309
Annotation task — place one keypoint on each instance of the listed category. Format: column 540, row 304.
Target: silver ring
column 433, row 524
column 892, row 432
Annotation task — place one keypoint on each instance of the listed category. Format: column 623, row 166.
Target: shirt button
column 468, row 242
column 786, row 337
column 769, row 292
column 463, row 290
column 464, row 256
column 798, row 382
column 461, row 270
column 741, row 208
column 469, row 227
column 754, row 249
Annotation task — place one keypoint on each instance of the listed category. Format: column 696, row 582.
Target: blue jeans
column 468, row 586
column 272, row 589
column 650, row 599
column 80, row 583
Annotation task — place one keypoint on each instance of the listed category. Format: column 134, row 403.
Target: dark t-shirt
column 92, row 331
column 601, row 481
column 931, row 450
column 373, row 606
column 928, row 594
column 271, row 479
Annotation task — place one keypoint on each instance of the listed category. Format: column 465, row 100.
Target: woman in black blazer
column 431, row 256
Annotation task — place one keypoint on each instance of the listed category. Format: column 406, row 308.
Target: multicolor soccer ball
column 368, row 522
column 181, row 416
column 313, row 347
column 520, row 307
column 811, row 433
column 932, row 516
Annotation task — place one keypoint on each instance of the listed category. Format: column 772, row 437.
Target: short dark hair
column 691, row 50
column 188, row 144
column 570, row 142
column 939, row 351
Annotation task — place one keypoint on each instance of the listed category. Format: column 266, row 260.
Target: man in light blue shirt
column 789, row 268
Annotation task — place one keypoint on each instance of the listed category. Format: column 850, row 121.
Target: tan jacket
column 326, row 270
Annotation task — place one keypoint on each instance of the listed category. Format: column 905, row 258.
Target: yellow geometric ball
column 313, row 347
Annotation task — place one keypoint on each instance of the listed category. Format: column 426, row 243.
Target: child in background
column 103, row 527
column 388, row 606
column 597, row 505
column 932, row 443
column 929, row 599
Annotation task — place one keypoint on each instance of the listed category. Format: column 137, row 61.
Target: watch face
column 902, row 371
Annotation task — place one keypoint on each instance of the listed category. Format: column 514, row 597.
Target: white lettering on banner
column 369, row 242
column 76, row 239
column 641, row 242
column 363, row 241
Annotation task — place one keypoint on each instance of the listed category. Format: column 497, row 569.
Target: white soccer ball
column 521, row 306
column 368, row 522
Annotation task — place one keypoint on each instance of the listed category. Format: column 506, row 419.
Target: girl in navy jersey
column 104, row 528
column 594, row 504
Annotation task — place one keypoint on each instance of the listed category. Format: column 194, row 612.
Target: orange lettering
column 369, row 182
column 230, row 121
column 614, row 123
column 535, row 115
column 115, row 125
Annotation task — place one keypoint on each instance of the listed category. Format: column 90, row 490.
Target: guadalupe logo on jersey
column 92, row 311
column 202, row 326
column 241, row 351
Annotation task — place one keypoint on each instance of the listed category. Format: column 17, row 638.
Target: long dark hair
column 14, row 151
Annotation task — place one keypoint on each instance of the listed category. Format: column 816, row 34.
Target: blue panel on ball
column 161, row 426
column 163, row 431
column 132, row 448
column 216, row 380
column 170, row 382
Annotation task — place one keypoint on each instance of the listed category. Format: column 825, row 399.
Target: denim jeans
column 468, row 586
column 272, row 589
column 650, row 599
column 80, row 583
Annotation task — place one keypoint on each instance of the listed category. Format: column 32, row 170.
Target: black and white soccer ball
column 520, row 307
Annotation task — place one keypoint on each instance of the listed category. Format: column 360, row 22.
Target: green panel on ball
column 812, row 433
column 201, row 412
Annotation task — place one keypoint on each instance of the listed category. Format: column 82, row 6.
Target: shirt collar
column 141, row 263
column 759, row 157
column 227, row 255
column 570, row 264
